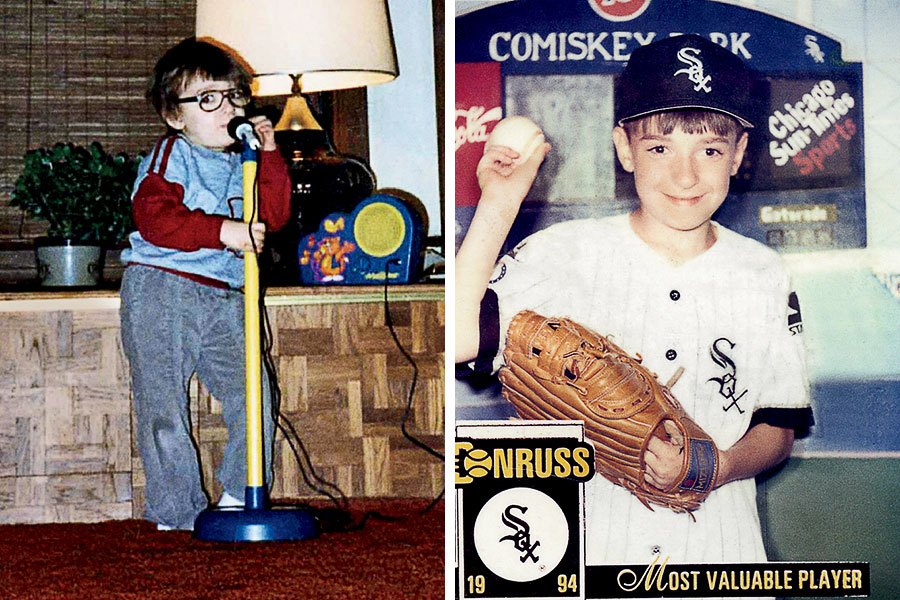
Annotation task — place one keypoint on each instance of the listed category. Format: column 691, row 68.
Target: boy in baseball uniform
column 666, row 282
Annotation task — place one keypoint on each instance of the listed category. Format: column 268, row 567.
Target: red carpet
column 130, row 559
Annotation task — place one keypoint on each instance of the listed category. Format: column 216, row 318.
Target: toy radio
column 379, row 242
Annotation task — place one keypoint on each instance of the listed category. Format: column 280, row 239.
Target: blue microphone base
column 255, row 522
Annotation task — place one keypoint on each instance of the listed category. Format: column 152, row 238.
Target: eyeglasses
column 211, row 100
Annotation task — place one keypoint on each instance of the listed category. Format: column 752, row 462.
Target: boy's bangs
column 184, row 63
column 216, row 68
column 689, row 121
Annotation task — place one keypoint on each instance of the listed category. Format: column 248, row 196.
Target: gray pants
column 172, row 328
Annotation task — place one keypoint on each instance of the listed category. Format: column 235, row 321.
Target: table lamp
column 301, row 47
column 323, row 182
column 291, row 47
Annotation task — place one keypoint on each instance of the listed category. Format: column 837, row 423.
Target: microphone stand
column 257, row 520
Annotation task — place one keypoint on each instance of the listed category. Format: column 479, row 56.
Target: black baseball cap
column 684, row 72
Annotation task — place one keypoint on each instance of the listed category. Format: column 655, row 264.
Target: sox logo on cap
column 690, row 56
column 684, row 72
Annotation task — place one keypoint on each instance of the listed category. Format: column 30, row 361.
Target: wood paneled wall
column 65, row 438
column 66, row 449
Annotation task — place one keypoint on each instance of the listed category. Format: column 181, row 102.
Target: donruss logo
column 619, row 10
column 535, row 459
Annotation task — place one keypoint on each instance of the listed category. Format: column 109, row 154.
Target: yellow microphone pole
column 256, row 520
column 255, row 493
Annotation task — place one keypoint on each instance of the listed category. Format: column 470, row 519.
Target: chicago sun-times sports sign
column 801, row 186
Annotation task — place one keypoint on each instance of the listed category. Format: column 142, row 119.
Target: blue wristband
column 702, row 468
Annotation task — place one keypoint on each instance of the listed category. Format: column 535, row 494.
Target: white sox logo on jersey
column 728, row 381
column 694, row 70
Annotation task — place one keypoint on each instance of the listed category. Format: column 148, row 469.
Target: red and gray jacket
column 182, row 195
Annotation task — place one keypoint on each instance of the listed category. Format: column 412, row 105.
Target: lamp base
column 323, row 182
column 255, row 523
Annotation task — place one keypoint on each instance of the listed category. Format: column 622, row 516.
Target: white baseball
column 519, row 133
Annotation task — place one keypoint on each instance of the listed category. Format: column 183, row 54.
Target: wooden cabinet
column 66, row 445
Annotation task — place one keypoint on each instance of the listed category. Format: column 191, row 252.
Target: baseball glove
column 556, row 369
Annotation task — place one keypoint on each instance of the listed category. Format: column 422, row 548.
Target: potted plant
column 84, row 194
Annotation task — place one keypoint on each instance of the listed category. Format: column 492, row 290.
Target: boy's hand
column 265, row 130
column 237, row 235
column 664, row 458
column 503, row 179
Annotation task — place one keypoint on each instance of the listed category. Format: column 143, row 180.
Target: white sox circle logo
column 521, row 534
column 619, row 10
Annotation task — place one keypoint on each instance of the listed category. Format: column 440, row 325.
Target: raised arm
column 504, row 185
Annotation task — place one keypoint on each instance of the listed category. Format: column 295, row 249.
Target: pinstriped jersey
column 727, row 317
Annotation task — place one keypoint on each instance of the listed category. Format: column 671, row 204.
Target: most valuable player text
column 748, row 579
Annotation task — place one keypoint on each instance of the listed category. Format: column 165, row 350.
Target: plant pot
column 68, row 263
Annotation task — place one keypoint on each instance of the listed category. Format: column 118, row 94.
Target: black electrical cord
column 412, row 388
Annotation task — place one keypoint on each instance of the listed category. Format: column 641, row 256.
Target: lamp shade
column 330, row 44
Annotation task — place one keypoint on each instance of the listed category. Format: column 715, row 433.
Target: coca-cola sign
column 619, row 10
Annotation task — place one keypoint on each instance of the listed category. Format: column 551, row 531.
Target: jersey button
column 674, row 295
column 671, row 354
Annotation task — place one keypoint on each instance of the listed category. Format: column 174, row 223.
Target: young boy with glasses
column 182, row 305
